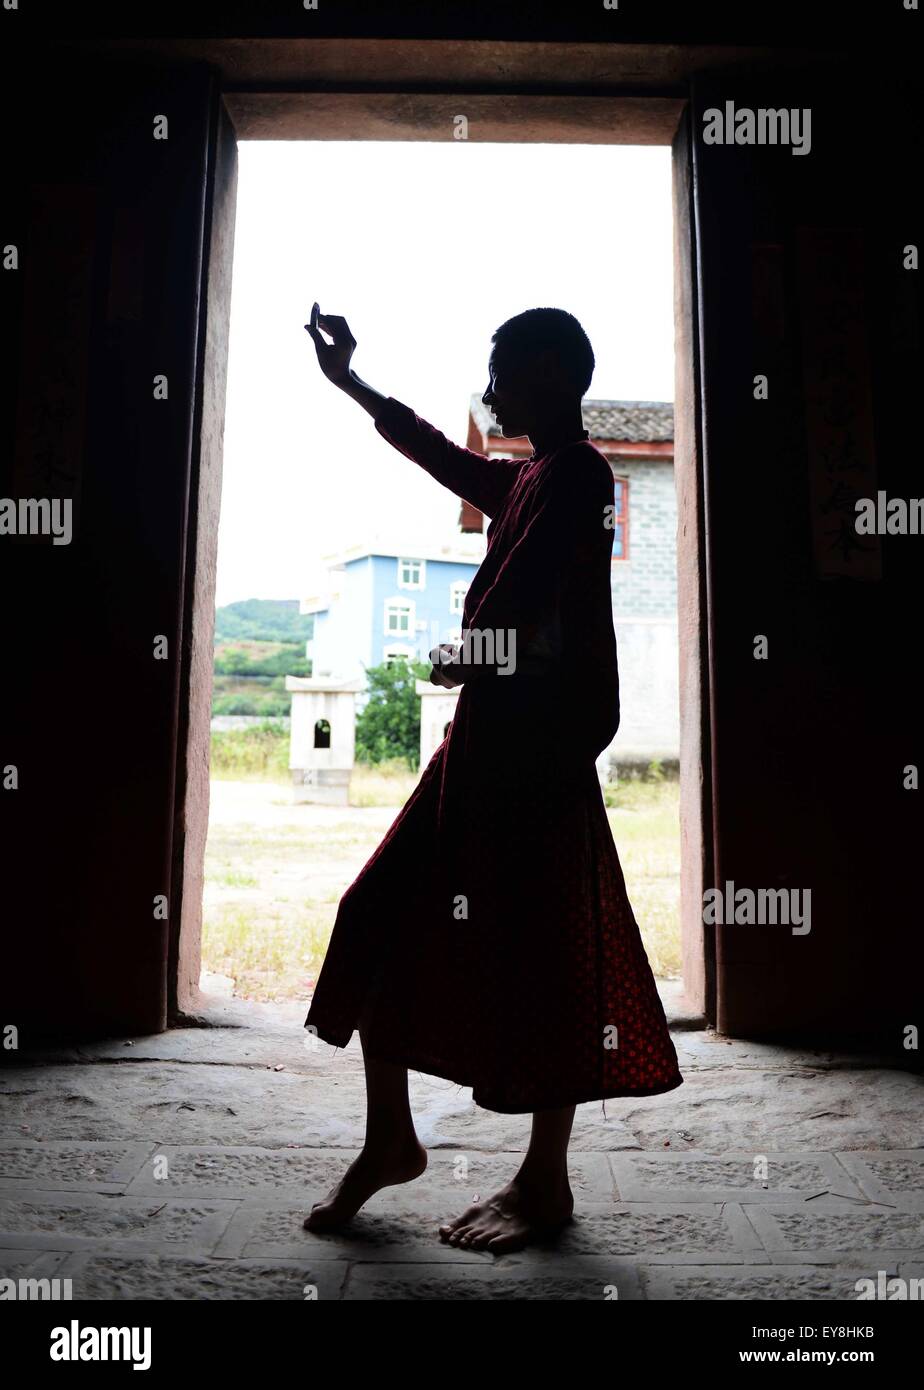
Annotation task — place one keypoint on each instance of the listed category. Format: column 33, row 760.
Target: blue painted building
column 382, row 602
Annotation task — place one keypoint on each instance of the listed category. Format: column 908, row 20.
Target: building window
column 322, row 734
column 621, row 519
column 457, row 594
column 411, row 574
column 399, row 618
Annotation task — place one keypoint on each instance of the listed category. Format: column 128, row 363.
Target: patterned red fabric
column 489, row 939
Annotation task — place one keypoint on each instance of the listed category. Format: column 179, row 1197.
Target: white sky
column 425, row 249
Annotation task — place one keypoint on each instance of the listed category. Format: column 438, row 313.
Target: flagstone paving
column 181, row 1166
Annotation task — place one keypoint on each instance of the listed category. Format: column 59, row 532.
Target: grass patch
column 382, row 784
column 235, row 878
column 259, row 753
column 273, row 951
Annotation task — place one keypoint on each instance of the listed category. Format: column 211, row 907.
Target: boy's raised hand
column 333, row 358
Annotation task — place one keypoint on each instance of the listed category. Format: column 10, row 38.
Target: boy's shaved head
column 536, row 331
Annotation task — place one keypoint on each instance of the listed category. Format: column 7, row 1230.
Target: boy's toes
column 479, row 1240
column 500, row 1245
column 449, row 1228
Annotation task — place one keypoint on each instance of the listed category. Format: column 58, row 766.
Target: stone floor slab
column 702, row 1177
column 69, row 1221
column 226, row 1171
column 864, row 1235
column 752, row 1284
column 663, row 1232
column 894, row 1179
column 91, row 1166
column 116, row 1277
column 588, row 1281
column 33, row 1263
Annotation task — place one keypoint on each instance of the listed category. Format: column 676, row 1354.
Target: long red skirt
column 489, row 939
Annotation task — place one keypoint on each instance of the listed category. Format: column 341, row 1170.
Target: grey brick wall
column 645, row 617
column 645, row 585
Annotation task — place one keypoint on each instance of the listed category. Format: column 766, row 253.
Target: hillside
column 263, row 620
column 258, row 642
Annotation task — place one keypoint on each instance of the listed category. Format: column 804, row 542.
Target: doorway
column 522, row 120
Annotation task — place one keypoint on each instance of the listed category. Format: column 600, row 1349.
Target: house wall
column 344, row 634
column 645, row 584
column 434, row 621
column 644, row 588
column 649, row 717
column 351, row 634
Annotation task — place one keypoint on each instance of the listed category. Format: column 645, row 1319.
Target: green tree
column 389, row 725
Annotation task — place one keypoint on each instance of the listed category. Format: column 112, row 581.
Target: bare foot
column 366, row 1175
column 511, row 1218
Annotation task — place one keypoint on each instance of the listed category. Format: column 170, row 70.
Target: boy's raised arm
column 480, row 480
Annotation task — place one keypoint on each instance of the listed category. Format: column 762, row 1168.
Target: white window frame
column 391, row 604
column 457, row 593
column 421, row 582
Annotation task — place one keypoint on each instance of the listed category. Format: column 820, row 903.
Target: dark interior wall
column 109, row 227
column 802, row 279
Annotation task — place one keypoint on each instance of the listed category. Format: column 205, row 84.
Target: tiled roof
column 632, row 422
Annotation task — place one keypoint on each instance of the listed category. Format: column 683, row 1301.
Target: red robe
column 490, row 939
